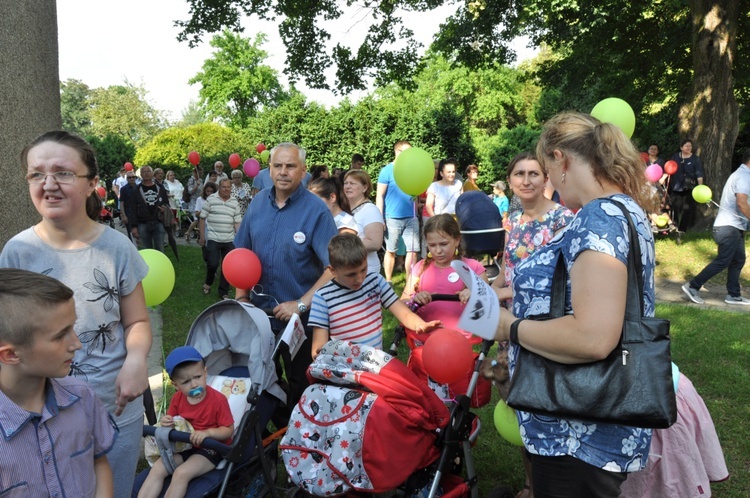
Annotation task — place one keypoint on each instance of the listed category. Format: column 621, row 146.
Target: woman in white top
column 370, row 225
column 329, row 190
column 442, row 194
column 175, row 189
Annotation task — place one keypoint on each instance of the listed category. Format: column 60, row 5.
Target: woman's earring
column 563, row 177
column 429, row 254
column 456, row 253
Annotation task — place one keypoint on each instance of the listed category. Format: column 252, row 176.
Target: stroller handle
column 184, row 437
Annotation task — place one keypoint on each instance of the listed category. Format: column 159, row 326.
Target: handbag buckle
column 625, row 354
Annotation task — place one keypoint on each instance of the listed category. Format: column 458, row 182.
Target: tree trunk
column 710, row 114
column 29, row 100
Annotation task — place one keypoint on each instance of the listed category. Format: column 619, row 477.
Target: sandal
column 206, row 289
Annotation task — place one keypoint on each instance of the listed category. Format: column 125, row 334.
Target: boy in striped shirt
column 348, row 308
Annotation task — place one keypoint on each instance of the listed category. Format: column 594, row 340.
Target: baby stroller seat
column 237, row 344
column 482, row 232
column 343, row 432
column 473, row 385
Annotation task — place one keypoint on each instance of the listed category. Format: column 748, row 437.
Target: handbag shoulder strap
column 634, row 299
column 559, row 295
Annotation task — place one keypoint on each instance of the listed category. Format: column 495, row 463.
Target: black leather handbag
column 632, row 386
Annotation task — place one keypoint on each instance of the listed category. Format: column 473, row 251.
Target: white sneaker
column 737, row 300
column 692, row 294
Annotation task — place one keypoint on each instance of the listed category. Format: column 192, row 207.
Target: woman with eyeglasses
column 370, row 224
column 105, row 271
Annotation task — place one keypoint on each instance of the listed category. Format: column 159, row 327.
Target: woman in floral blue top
column 532, row 226
column 591, row 165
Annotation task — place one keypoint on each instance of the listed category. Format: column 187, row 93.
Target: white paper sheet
column 482, row 313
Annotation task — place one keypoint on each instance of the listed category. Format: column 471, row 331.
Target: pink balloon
column 251, row 167
column 654, row 172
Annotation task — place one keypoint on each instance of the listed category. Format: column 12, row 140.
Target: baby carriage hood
column 476, row 212
column 230, row 334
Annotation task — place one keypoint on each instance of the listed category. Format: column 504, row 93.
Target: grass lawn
column 711, row 347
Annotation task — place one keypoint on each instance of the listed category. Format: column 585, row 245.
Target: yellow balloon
column 662, row 221
column 616, row 111
column 702, row 194
column 413, row 171
column 506, row 423
column 159, row 282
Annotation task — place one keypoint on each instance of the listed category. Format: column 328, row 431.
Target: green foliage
column 124, row 110
column 112, row 152
column 193, row 114
column 169, row 149
column 75, row 106
column 235, row 84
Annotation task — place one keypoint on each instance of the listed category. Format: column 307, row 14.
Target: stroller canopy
column 233, row 334
column 480, row 221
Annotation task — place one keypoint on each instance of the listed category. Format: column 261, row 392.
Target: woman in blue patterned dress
column 591, row 164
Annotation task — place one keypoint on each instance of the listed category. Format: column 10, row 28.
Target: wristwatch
column 302, row 307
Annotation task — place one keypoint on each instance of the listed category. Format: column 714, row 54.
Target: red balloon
column 251, row 167
column 260, row 148
column 644, row 156
column 128, row 166
column 194, row 158
column 101, row 191
column 241, row 268
column 670, row 167
column 447, row 356
column 234, row 160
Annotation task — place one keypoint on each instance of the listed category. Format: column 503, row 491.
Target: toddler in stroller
column 342, row 432
column 237, row 345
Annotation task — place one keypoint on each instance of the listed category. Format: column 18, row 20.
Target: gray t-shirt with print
column 99, row 275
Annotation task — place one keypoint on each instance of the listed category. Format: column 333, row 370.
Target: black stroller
column 482, row 232
column 237, row 344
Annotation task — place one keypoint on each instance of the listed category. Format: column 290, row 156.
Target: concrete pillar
column 29, row 100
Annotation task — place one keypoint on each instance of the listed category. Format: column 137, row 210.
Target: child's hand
column 422, row 298
column 428, row 326
column 197, row 437
column 167, row 421
column 464, row 295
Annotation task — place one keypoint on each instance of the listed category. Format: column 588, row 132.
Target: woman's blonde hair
column 612, row 156
column 362, row 177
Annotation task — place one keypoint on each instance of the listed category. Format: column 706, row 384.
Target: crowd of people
column 97, row 328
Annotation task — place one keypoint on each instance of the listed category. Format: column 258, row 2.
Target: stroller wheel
column 501, row 491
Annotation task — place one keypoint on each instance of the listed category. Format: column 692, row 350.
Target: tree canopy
column 235, row 84
column 676, row 62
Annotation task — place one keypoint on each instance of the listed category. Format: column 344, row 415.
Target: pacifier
column 194, row 393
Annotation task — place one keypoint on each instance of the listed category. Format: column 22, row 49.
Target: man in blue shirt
column 729, row 233
column 400, row 217
column 288, row 228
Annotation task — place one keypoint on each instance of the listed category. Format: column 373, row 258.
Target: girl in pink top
column 435, row 275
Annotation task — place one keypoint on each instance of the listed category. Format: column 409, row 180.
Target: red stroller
column 344, row 432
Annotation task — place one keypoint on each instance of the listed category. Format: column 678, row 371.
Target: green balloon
column 506, row 423
column 264, row 155
column 413, row 171
column 159, row 282
column 702, row 194
column 616, row 111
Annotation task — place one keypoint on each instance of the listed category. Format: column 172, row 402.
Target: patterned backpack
column 342, row 433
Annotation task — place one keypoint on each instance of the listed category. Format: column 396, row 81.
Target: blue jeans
column 215, row 252
column 152, row 235
column 731, row 242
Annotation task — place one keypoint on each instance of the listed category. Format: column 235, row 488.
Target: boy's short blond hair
column 22, row 291
column 346, row 250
